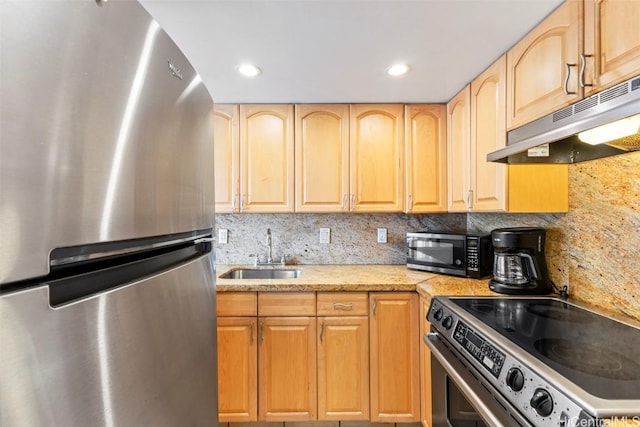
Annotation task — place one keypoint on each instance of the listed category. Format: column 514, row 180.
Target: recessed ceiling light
column 248, row 70
column 398, row 69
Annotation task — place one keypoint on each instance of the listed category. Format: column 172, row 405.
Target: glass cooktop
column 597, row 353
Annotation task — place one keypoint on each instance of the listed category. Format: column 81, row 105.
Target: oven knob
column 542, row 402
column 438, row 314
column 447, row 322
column 515, row 379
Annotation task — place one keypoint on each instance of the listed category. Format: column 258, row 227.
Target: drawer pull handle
column 342, row 306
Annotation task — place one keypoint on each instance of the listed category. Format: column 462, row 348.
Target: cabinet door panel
column 395, row 380
column 488, row 133
column 612, row 37
column 426, row 158
column 322, row 157
column 226, row 145
column 266, row 158
column 426, row 408
column 343, row 368
column 377, row 178
column 536, row 66
column 458, row 150
column 237, row 369
column 287, row 369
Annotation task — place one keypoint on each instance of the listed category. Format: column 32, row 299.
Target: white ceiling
column 338, row 50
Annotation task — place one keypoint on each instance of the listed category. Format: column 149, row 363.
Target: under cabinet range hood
column 602, row 125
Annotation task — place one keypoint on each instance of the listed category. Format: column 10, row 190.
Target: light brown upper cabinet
column 543, row 67
column 611, row 42
column 376, row 158
column 426, row 157
column 479, row 186
column 322, row 157
column 349, row 158
column 488, row 133
column 226, row 145
column 266, row 158
column 458, row 150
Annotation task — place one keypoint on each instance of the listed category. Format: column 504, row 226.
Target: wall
column 594, row 249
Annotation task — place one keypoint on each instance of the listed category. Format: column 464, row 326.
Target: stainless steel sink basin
column 262, row 273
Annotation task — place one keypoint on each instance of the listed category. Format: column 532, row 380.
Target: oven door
column 462, row 399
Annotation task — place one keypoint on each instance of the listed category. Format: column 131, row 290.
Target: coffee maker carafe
column 519, row 266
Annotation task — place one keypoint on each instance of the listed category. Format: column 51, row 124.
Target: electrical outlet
column 382, row 235
column 325, row 235
column 223, row 235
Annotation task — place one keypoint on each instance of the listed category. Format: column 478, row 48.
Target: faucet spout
column 269, row 257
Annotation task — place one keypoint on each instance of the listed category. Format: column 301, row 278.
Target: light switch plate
column 325, row 235
column 223, row 235
column 382, row 235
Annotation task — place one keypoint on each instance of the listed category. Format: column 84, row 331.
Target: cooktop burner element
column 551, row 358
column 590, row 359
column 564, row 314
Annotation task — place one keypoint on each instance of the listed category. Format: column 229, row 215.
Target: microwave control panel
column 473, row 263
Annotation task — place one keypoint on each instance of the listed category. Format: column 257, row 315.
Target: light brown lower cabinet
column 343, row 356
column 237, row 357
column 287, row 369
column 355, row 360
column 426, row 408
column 394, row 334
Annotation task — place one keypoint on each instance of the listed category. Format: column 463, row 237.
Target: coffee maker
column 519, row 266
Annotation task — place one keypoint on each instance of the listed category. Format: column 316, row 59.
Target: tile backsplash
column 594, row 249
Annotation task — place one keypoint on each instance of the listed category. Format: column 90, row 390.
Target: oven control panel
column 488, row 356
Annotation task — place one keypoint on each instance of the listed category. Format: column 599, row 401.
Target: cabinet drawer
column 237, row 304
column 286, row 303
column 342, row 304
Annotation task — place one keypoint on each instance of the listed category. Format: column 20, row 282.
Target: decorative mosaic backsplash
column 594, row 249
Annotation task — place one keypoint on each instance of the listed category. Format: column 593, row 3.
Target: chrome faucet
column 269, row 258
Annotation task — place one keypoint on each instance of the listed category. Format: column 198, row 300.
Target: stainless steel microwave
column 466, row 255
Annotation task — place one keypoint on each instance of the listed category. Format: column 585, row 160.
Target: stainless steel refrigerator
column 107, row 279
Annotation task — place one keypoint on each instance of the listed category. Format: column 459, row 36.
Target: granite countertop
column 356, row 278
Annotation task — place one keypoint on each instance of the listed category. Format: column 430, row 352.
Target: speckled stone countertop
column 329, row 278
column 356, row 278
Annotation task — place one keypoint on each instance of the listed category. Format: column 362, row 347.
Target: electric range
column 555, row 362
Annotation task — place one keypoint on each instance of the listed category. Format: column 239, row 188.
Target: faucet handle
column 283, row 259
column 256, row 259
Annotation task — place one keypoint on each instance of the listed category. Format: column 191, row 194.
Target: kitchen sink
column 262, row 273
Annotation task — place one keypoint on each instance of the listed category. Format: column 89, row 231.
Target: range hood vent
column 553, row 138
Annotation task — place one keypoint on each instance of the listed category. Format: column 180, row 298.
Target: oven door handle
column 482, row 401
